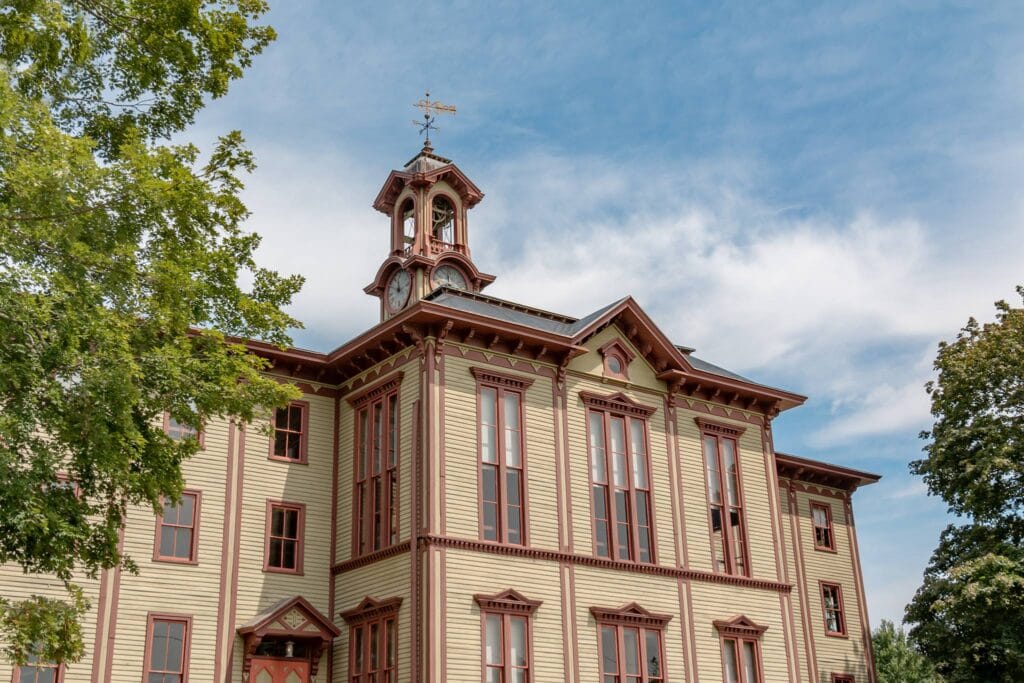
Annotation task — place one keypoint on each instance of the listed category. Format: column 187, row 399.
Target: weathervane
column 430, row 110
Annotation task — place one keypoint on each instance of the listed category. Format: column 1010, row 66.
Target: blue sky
column 811, row 196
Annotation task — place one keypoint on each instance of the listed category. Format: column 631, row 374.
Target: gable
column 638, row 369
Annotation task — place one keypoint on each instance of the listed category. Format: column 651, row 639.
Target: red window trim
column 635, row 617
column 363, row 506
column 193, row 557
column 200, row 433
column 616, row 348
column 843, row 678
column 842, row 632
column 605, row 406
column 502, row 383
column 720, row 431
column 153, row 617
column 303, row 458
column 300, row 544
column 506, row 667
column 58, row 677
column 739, row 642
column 741, row 629
column 831, row 548
column 508, row 601
column 368, row 612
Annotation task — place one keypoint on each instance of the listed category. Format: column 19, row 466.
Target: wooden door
column 268, row 670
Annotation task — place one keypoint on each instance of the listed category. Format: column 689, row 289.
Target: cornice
column 617, row 403
column 370, row 610
column 494, row 377
column 509, row 601
column 630, row 615
column 715, row 427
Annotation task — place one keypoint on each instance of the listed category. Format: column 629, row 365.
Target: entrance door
column 272, row 670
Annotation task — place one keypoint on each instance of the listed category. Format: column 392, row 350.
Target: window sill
column 279, row 570
column 290, row 461
column 823, row 549
column 175, row 560
column 832, row 634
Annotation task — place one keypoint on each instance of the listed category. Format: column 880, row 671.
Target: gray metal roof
column 716, row 370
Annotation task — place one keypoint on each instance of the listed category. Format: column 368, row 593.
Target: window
column 630, row 647
column 832, row 607
column 36, row 671
column 284, row 537
column 502, row 460
column 741, row 650
column 167, row 643
column 725, row 500
column 179, row 431
column 443, row 220
column 617, row 358
column 408, row 217
column 507, row 638
column 620, row 485
column 842, row 678
column 177, row 530
column 290, row 428
column 376, row 494
column 824, row 539
column 373, row 641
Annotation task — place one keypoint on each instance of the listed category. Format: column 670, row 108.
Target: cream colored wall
column 461, row 454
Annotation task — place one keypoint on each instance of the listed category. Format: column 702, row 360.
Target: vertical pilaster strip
column 335, row 437
column 225, row 595
column 778, row 541
column 235, row 549
column 414, row 534
column 106, row 617
column 861, row 599
column 801, row 579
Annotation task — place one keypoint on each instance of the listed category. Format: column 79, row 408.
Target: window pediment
column 370, row 609
column 632, row 615
column 722, row 428
column 740, row 626
column 616, row 403
column 493, row 377
column 510, row 601
column 378, row 389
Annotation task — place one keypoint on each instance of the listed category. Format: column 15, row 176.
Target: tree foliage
column 897, row 660
column 120, row 263
column 968, row 615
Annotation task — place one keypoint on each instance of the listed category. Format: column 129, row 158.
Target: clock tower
column 427, row 202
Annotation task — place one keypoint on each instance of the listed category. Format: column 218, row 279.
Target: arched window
column 408, row 214
column 443, row 220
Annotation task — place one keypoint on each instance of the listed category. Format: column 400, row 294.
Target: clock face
column 398, row 289
column 448, row 276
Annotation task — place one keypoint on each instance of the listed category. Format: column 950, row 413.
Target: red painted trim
column 829, row 526
column 801, row 580
column 842, row 632
column 300, row 544
column 692, row 629
column 739, row 641
column 115, row 601
column 331, row 589
column 153, row 617
column 842, row 678
column 719, row 428
column 785, row 601
column 370, row 393
column 618, row 350
column 60, row 670
column 501, row 388
column 861, row 599
column 506, row 665
column 815, row 471
column 379, row 400
column 364, row 617
column 226, row 545
column 616, row 403
column 726, row 507
column 303, row 458
column 642, row 627
column 193, row 557
column 236, row 549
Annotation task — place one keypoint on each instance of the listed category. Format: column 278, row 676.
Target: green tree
column 968, row 615
column 896, row 658
column 120, row 263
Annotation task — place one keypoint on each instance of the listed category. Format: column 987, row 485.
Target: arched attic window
column 408, row 217
column 443, row 220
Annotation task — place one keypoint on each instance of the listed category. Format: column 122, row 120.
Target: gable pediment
column 740, row 625
column 291, row 617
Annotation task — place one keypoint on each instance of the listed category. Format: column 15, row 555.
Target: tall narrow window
column 167, row 649
column 824, row 538
column 373, row 641
column 376, row 472
column 501, row 464
column 408, row 216
column 630, row 645
column 725, row 501
column 506, row 636
column 177, row 530
column 741, row 650
column 36, row 671
column 443, row 221
column 832, row 608
column 284, row 537
column 620, row 483
column 290, row 427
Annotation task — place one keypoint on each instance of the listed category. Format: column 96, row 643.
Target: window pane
column 374, row 644
column 295, row 418
column 280, row 443
column 292, row 451
column 597, row 462
column 494, row 676
column 518, row 641
column 167, row 541
column 638, row 451
column 731, row 672
column 289, row 554
column 358, row 649
column 653, row 646
column 512, row 410
column 364, row 437
column 749, row 662
column 736, row 533
column 292, row 523
column 274, row 560
column 183, row 543
column 175, row 645
column 488, row 425
column 281, row 418
column 711, row 463
column 186, row 509
column 493, row 652
column 619, row 453
column 609, row 650
column 378, row 434
column 631, row 649
column 731, row 473
column 392, row 430
column 513, row 488
column 276, row 522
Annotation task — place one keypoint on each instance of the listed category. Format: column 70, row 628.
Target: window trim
column 200, row 432
column 502, row 383
column 507, row 604
column 151, row 619
column 843, row 631
column 391, row 528
column 193, row 557
column 367, row 612
column 631, row 615
column 741, row 629
column 842, row 678
column 303, row 458
column 833, row 546
column 456, row 221
column 620, row 406
column 719, row 431
column 616, row 348
column 300, row 549
column 58, row 676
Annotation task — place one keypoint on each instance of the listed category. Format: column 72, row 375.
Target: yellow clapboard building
column 477, row 490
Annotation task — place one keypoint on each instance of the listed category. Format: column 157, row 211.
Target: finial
column 430, row 110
